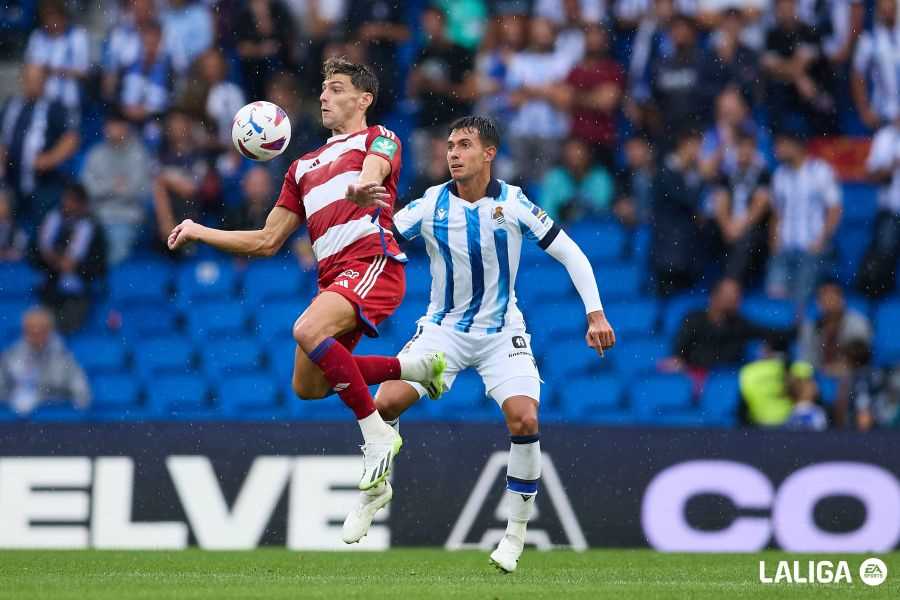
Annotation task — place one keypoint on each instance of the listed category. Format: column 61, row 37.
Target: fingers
column 593, row 341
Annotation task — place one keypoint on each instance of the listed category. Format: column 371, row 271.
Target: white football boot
column 506, row 556
column 426, row 369
column 378, row 460
column 358, row 521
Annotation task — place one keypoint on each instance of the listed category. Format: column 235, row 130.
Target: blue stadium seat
column 280, row 356
column 162, row 354
column 116, row 392
column 860, row 204
column 630, row 319
column 620, row 281
column 602, row 241
column 418, row 280
column 652, row 396
column 274, row 323
column 568, row 358
column 719, row 399
column 58, row 413
column 402, row 324
column 243, row 393
column 140, row 281
column 887, row 343
column 274, row 280
column 18, row 281
column 216, row 319
column 547, row 283
column 587, row 396
column 851, row 245
column 11, row 312
column 384, row 345
column 147, row 320
column 230, row 356
column 780, row 314
column 325, row 409
column 466, row 401
column 170, row 395
column 205, row 280
column 99, row 354
column 677, row 309
column 828, row 388
column 632, row 357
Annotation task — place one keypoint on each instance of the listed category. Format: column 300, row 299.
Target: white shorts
column 503, row 360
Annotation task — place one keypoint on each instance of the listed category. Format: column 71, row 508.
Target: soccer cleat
column 378, row 460
column 506, row 556
column 358, row 521
column 426, row 369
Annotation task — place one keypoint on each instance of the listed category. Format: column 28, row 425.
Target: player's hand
column 183, row 233
column 367, row 194
column 600, row 335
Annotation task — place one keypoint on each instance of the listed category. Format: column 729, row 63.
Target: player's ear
column 365, row 100
column 490, row 153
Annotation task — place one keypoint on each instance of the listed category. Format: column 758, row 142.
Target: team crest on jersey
column 385, row 146
column 498, row 217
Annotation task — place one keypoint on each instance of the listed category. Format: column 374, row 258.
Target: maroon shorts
column 374, row 286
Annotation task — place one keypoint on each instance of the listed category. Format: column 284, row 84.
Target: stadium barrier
column 241, row 485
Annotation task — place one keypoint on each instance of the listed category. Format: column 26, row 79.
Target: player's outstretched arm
column 280, row 224
column 600, row 335
column 369, row 188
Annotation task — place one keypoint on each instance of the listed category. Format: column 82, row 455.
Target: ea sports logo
column 873, row 571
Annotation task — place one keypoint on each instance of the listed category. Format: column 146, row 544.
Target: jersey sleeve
column 830, row 189
column 881, row 154
column 290, row 197
column 534, row 222
column 408, row 220
column 383, row 142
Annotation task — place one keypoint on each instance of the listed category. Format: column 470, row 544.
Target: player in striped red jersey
column 361, row 278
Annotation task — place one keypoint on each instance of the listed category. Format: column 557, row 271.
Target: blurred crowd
column 689, row 119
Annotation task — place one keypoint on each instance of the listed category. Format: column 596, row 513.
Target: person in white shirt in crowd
column 117, row 177
column 63, row 50
column 877, row 63
column 39, row 369
column 533, row 81
column 806, row 201
column 123, row 44
column 189, row 29
column 877, row 275
column 147, row 83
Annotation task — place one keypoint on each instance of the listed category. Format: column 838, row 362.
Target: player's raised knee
column 524, row 423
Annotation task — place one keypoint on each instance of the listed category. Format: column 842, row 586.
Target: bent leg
column 393, row 398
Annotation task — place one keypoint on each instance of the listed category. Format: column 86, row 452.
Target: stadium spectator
column 676, row 218
column 63, row 50
column 743, row 211
column 730, row 62
column 36, row 140
column 258, row 200
column 71, row 250
column 592, row 12
column 823, row 339
column 634, row 201
column 379, row 27
column 794, row 72
column 265, row 44
column 763, row 385
column 570, row 30
column 595, row 88
column 435, row 172
column 189, row 30
column 577, row 187
column 147, row 84
column 677, row 97
column 38, row 369
column 442, row 79
column 869, row 396
column 465, row 21
column 877, row 61
column 506, row 36
column 284, row 90
column 183, row 170
column 839, row 22
column 718, row 153
column 652, row 42
column 806, row 414
column 877, row 274
column 213, row 99
column 717, row 336
column 116, row 175
column 123, row 45
column 532, row 80
column 807, row 206
column 13, row 239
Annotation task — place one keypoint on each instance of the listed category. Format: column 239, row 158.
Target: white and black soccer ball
column 261, row 130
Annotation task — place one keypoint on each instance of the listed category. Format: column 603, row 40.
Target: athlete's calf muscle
column 393, row 398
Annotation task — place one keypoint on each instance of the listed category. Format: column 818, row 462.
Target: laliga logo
column 872, row 572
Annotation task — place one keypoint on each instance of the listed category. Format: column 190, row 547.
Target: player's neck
column 351, row 126
column 473, row 188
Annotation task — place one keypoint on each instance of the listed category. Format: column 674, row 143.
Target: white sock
column 412, row 368
column 395, row 424
column 374, row 429
column 523, row 474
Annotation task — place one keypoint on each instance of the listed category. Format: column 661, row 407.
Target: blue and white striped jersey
column 474, row 249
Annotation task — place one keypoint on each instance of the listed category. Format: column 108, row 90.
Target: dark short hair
column 361, row 76
column 486, row 128
column 77, row 191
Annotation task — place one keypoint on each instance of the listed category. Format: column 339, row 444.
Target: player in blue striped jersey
column 473, row 227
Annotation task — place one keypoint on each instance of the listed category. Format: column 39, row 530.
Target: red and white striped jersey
column 314, row 188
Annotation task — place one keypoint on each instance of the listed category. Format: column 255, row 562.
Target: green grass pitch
column 411, row 574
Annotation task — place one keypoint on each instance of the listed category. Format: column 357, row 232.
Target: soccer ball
column 261, row 130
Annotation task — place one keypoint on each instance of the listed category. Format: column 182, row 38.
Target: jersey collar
column 493, row 189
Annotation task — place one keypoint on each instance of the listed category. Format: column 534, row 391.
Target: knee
column 307, row 335
column 307, row 389
column 388, row 409
column 523, row 423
